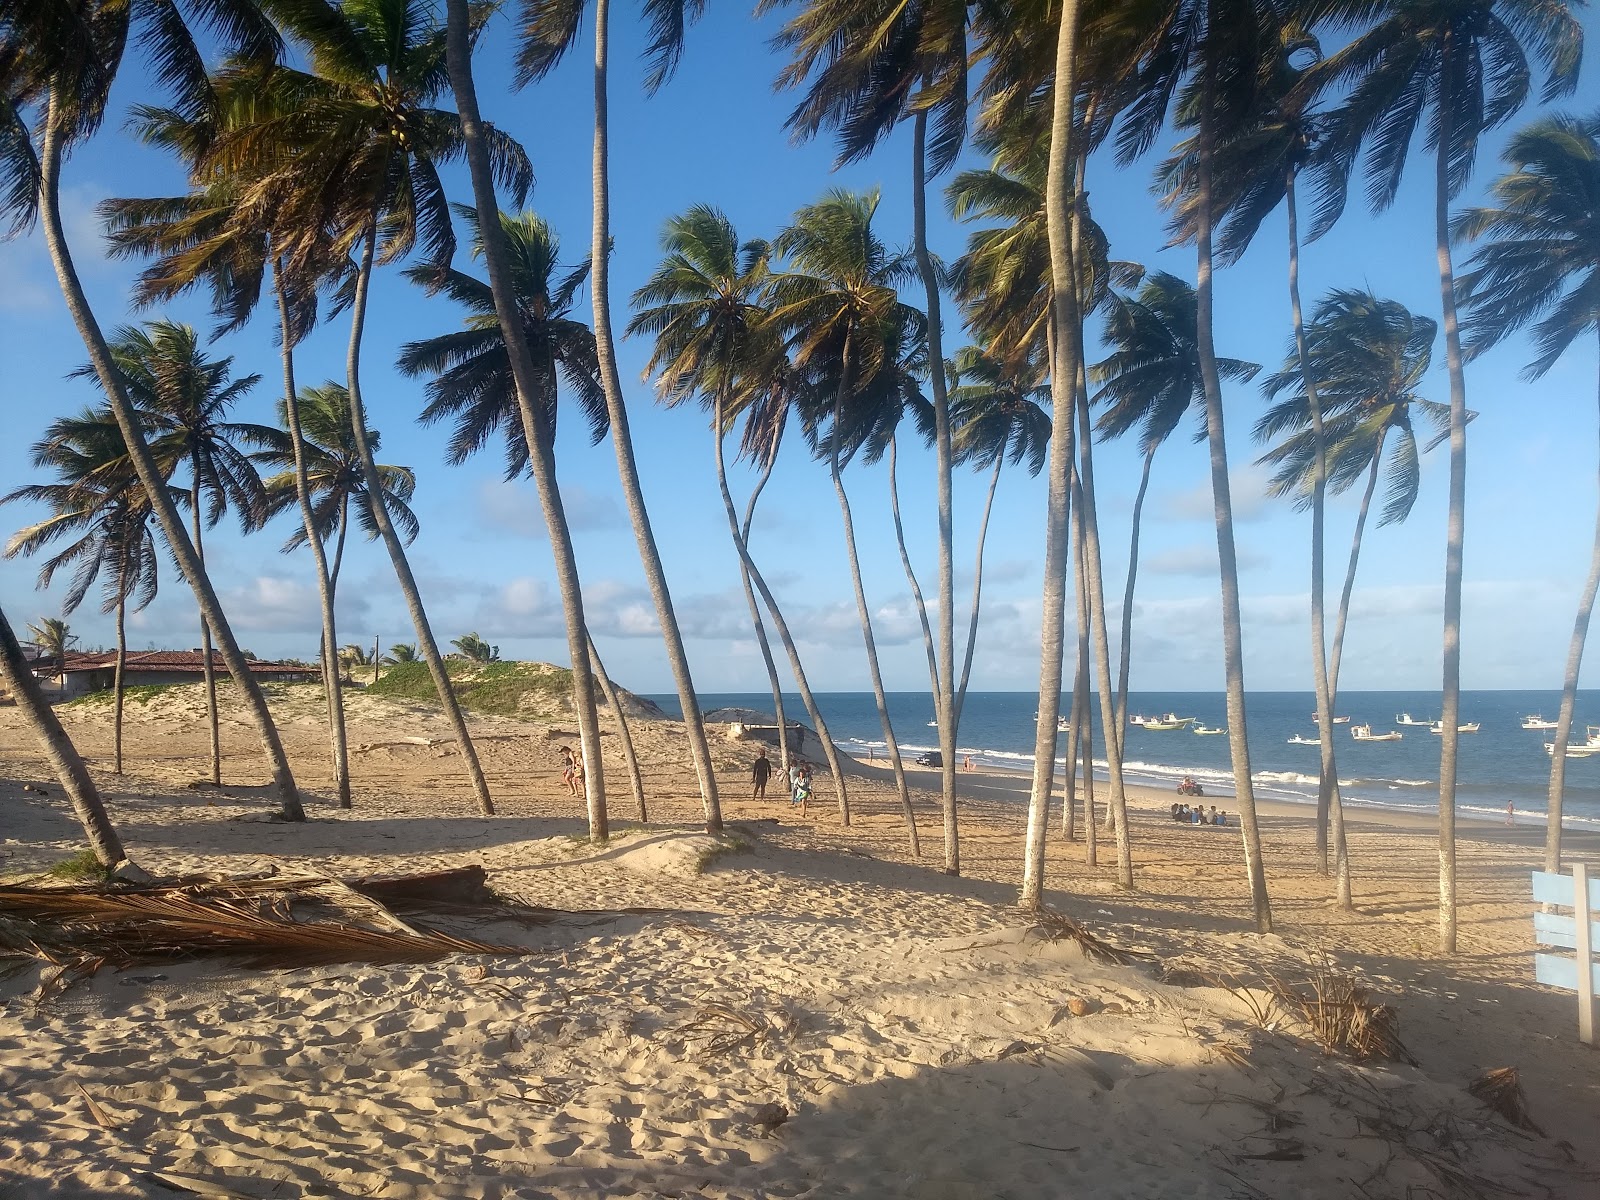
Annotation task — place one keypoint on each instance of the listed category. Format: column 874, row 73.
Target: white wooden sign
column 1580, row 932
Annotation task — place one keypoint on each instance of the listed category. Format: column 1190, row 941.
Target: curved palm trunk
column 1070, row 765
column 541, row 455
column 119, row 683
column 58, row 748
column 1084, row 742
column 946, row 710
column 627, row 468
column 1569, row 698
column 756, row 622
column 1450, row 700
column 207, row 668
column 144, row 465
column 426, row 646
column 629, row 755
column 332, row 687
column 1125, row 649
column 1116, row 802
column 1228, row 563
column 977, row 589
column 911, row 575
column 1328, row 781
column 891, row 743
column 1066, row 353
column 741, row 544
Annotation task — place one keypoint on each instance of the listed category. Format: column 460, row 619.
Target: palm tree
column 705, row 307
column 1212, row 51
column 52, row 635
column 1366, row 357
column 184, row 398
column 1466, row 66
column 58, row 748
column 58, row 67
column 96, row 497
column 353, row 655
column 630, row 755
column 474, row 649
column 549, row 30
column 400, row 653
column 1540, row 261
column 843, row 320
column 335, row 481
column 354, row 146
column 871, row 65
column 997, row 412
column 1149, row 382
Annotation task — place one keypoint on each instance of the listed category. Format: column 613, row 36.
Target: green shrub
column 82, row 867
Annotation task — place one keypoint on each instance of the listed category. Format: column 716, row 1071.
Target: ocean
column 1502, row 762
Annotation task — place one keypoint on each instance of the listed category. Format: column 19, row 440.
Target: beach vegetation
column 508, row 689
column 82, row 867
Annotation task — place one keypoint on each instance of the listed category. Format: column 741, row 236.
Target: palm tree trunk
column 338, row 549
column 1125, row 649
column 1569, row 699
column 541, row 452
column 624, row 735
column 1328, row 781
column 1081, row 705
column 58, row 748
column 426, row 646
column 911, row 575
column 334, row 690
column 945, row 709
column 1070, row 764
column 207, row 668
column 977, row 589
column 1336, row 655
column 145, row 466
column 1450, row 700
column 1116, row 802
column 627, row 468
column 118, row 684
column 891, row 743
column 741, row 544
column 1066, row 354
column 1222, row 500
column 760, row 626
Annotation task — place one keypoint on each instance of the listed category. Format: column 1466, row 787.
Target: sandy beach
column 917, row 1034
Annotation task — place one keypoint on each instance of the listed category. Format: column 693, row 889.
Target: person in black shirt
column 760, row 772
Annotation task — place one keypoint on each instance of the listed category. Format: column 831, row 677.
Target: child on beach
column 802, row 790
column 572, row 776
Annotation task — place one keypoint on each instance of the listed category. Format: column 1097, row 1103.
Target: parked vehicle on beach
column 930, row 758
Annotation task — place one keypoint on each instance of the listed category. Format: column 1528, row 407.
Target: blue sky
column 715, row 135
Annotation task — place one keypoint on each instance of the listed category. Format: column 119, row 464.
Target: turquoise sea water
column 1501, row 763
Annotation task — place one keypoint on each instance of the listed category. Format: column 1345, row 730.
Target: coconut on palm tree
column 549, row 29
column 98, row 500
column 1539, row 264
column 56, row 73
column 1465, row 67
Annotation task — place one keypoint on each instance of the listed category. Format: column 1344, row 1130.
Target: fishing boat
column 1297, row 740
column 1406, row 718
column 1162, row 725
column 1363, row 733
column 1206, row 730
column 1582, row 749
column 1063, row 725
column 1536, row 721
column 1469, row 727
column 1316, row 720
column 1170, row 720
column 1138, row 719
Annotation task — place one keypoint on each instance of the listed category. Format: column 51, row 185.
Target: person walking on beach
column 1511, row 812
column 760, row 772
column 802, row 791
column 573, row 775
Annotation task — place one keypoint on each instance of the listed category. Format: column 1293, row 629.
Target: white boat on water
column 1298, row 740
column 1406, row 718
column 1363, row 733
column 1583, row 749
column 1162, row 725
column 1316, row 720
column 1537, row 721
column 1469, row 727
column 1206, row 730
column 1063, row 725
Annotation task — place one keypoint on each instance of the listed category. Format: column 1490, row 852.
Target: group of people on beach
column 1198, row 815
column 799, row 781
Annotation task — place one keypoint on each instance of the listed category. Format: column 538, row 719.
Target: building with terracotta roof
column 83, row 672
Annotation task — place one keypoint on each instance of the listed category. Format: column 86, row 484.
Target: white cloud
column 512, row 508
column 1247, row 487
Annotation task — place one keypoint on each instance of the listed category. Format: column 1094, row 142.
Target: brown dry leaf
column 95, row 1111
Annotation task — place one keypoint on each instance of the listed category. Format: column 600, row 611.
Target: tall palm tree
column 354, row 145
column 57, row 67
column 52, row 634
column 97, row 498
column 997, row 412
column 1540, row 262
column 335, row 480
column 871, row 65
column 58, row 748
column 476, row 137
column 474, row 649
column 549, row 30
column 400, row 653
column 1466, row 67
column 185, row 398
column 838, row 306
column 1367, row 358
column 1211, row 51
column 1149, row 382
